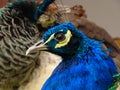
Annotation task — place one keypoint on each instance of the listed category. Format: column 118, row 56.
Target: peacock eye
column 59, row 36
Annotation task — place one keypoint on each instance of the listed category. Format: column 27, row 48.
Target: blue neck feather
column 90, row 70
column 87, row 68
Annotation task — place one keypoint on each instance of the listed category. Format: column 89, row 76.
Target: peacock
column 18, row 31
column 84, row 65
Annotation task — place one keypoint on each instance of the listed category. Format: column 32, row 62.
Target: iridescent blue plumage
column 42, row 7
column 89, row 68
column 84, row 66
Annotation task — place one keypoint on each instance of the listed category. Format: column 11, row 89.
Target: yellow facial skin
column 68, row 35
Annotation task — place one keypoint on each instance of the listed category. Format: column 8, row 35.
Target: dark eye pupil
column 59, row 36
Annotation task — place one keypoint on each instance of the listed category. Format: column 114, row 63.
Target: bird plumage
column 27, row 9
column 17, row 33
column 84, row 64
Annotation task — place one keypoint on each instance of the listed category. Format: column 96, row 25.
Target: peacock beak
column 39, row 46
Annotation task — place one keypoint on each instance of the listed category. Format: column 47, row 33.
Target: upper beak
column 40, row 45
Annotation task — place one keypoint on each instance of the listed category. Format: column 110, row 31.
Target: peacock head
column 63, row 40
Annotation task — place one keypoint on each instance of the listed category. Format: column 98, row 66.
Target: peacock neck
column 84, row 72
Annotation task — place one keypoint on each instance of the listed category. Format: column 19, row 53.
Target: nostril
column 41, row 42
column 38, row 44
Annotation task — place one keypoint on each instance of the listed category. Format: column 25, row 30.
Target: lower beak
column 39, row 46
